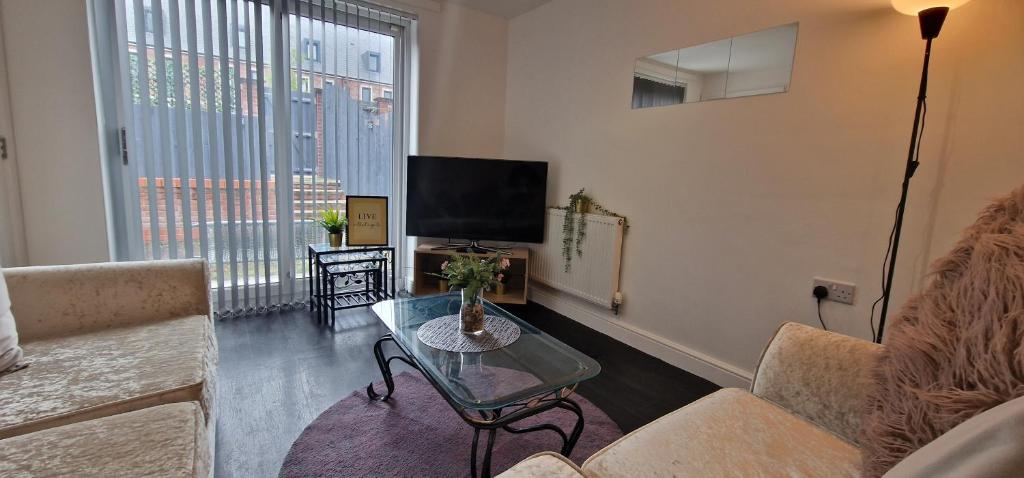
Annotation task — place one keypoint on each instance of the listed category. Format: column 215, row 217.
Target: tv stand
column 471, row 247
column 428, row 258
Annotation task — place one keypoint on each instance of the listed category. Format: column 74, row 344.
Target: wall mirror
column 757, row 63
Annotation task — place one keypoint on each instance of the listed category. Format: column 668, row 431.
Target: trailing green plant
column 574, row 226
column 332, row 220
column 473, row 273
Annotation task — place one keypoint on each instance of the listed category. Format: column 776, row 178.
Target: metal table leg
column 384, row 363
column 492, row 420
column 309, row 275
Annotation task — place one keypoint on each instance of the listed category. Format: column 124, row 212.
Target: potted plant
column 580, row 202
column 502, row 276
column 442, row 285
column 574, row 227
column 472, row 275
column 334, row 222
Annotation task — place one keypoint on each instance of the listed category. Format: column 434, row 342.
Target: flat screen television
column 476, row 199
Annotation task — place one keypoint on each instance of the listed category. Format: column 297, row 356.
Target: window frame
column 373, row 61
column 309, row 44
column 109, row 59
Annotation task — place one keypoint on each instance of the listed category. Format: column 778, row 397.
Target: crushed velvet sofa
column 122, row 359
column 800, row 418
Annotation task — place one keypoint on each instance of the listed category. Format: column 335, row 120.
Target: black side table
column 354, row 266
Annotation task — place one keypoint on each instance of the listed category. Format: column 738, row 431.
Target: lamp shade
column 913, row 7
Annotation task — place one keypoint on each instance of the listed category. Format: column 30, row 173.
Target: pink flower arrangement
column 472, row 274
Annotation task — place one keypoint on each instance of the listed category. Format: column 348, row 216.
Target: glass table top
column 533, row 365
column 321, row 248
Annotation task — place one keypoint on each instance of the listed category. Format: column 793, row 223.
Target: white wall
column 462, row 82
column 54, row 121
column 735, row 205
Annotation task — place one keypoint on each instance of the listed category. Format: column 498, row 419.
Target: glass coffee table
column 489, row 390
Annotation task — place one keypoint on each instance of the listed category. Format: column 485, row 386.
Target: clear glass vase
column 471, row 315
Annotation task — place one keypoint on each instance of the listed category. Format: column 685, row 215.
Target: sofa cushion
column 988, row 445
column 546, row 464
column 103, row 373
column 57, row 301
column 163, row 441
column 956, row 349
column 728, row 433
column 10, row 352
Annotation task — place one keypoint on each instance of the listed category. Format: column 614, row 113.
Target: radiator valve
column 616, row 302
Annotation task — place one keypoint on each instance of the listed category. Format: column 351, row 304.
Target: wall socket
column 841, row 292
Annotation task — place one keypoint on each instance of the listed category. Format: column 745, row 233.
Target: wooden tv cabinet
column 427, row 261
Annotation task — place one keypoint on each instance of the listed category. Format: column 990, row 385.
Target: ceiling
column 502, row 8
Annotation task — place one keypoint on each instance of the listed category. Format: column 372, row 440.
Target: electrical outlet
column 841, row 292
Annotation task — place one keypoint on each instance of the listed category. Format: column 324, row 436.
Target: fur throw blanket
column 956, row 349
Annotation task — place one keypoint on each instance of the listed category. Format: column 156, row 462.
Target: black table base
column 365, row 266
column 487, row 421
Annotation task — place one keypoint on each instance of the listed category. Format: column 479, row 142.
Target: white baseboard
column 698, row 363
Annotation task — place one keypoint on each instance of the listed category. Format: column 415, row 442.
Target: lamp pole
column 931, row 23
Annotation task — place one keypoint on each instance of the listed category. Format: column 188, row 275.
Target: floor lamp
column 931, row 14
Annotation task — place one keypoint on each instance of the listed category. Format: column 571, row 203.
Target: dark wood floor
column 280, row 370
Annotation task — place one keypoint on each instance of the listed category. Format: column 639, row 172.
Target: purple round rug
column 416, row 433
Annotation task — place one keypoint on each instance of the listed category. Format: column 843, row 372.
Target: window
column 271, row 126
column 241, row 39
column 311, row 49
column 373, row 62
column 389, row 95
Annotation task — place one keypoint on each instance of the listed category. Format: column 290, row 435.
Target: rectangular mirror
column 757, row 63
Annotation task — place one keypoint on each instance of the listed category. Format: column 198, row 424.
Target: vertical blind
column 245, row 119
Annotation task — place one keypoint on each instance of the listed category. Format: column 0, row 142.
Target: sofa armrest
column 545, row 464
column 821, row 376
column 49, row 301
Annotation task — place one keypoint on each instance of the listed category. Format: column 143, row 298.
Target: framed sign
column 367, row 220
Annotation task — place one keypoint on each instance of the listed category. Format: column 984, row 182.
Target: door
column 12, row 229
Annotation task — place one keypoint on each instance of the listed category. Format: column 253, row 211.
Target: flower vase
column 471, row 315
column 335, row 239
column 442, row 285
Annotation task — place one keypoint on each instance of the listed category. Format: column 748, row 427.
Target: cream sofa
column 800, row 418
column 122, row 359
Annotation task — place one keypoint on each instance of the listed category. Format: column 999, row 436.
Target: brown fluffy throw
column 957, row 349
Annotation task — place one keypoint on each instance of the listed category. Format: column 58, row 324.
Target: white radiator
column 593, row 277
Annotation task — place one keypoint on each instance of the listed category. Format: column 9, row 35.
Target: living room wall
column 461, row 112
column 736, row 205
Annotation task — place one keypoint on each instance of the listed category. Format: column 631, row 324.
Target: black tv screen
column 476, row 199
